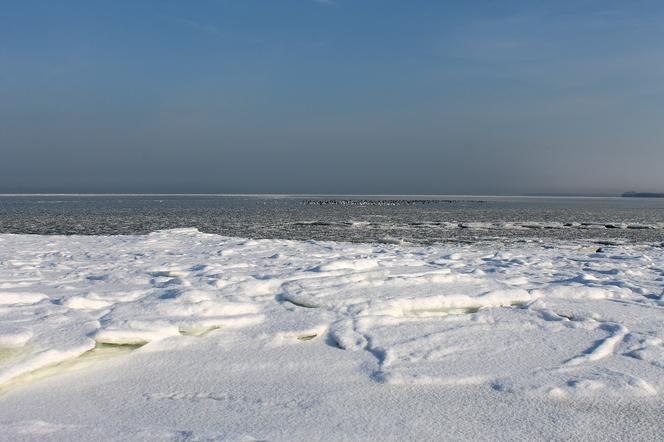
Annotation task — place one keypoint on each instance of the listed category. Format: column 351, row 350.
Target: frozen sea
column 400, row 219
column 331, row 318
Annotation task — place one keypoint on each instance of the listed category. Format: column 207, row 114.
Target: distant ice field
column 383, row 219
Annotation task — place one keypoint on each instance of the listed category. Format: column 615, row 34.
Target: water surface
column 416, row 219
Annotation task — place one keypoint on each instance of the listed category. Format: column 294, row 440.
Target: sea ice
column 187, row 336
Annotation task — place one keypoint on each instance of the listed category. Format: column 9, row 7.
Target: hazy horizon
column 332, row 97
column 277, row 194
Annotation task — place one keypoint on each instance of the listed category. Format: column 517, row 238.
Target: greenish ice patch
column 101, row 352
column 441, row 311
column 306, row 337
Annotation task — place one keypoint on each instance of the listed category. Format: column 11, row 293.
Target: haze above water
column 332, row 96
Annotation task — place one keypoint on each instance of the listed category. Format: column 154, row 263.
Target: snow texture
column 180, row 335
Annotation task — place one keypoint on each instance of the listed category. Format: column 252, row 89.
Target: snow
column 179, row 335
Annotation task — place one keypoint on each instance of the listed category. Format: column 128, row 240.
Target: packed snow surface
column 179, row 335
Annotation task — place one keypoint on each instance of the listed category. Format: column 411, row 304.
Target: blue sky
column 361, row 96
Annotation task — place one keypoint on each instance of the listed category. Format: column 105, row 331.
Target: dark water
column 420, row 220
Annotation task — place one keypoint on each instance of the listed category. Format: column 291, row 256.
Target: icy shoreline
column 182, row 335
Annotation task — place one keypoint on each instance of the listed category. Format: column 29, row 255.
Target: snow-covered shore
column 180, row 335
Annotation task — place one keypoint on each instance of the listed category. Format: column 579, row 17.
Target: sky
column 332, row 96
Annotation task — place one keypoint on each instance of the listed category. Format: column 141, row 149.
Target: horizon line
column 552, row 195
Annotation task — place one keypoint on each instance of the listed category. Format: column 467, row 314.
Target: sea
column 384, row 219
